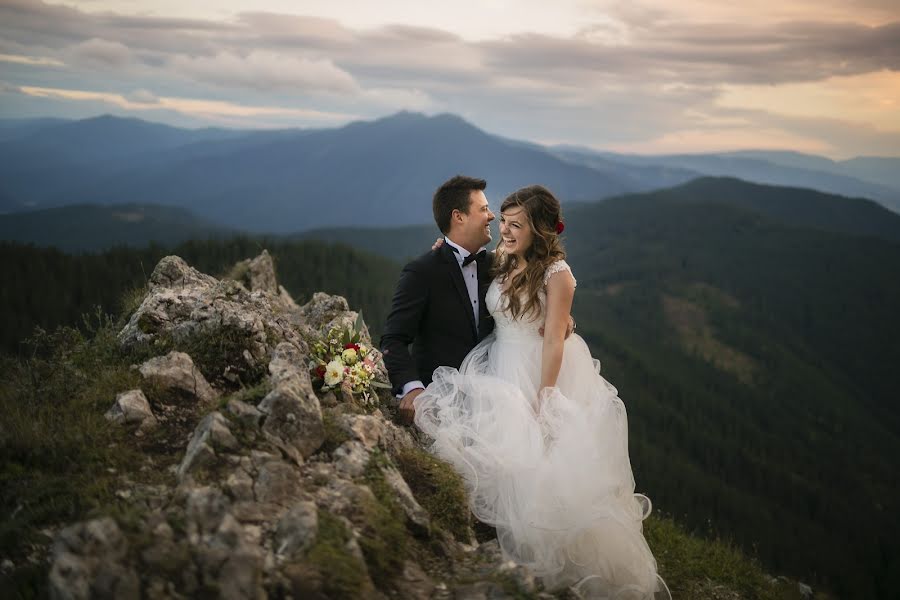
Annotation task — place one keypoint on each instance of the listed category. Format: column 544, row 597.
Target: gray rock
column 482, row 590
column 185, row 305
column 206, row 506
column 351, row 459
column 257, row 274
column 324, row 311
column 87, row 562
column 240, row 485
column 342, row 497
column 288, row 368
column 210, row 435
column 173, row 272
column 322, row 308
column 296, row 530
column 521, row 576
column 131, row 408
column 278, row 482
column 414, row 583
column 293, row 415
column 239, row 575
column 417, row 516
column 287, row 300
column 177, row 372
column 243, row 412
column 368, row 429
column 376, row 431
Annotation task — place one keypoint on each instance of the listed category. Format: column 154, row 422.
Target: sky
column 641, row 76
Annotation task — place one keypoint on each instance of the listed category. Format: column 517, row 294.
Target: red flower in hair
column 560, row 227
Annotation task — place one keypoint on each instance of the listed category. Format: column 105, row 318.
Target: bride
column 539, row 436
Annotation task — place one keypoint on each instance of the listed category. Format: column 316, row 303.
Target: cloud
column 196, row 107
column 262, row 70
column 9, row 88
column 142, row 97
column 38, row 61
column 102, row 53
column 697, row 71
column 708, row 54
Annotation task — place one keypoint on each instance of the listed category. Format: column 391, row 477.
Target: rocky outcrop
column 232, row 331
column 275, row 489
column 132, row 408
column 293, row 415
column 175, row 372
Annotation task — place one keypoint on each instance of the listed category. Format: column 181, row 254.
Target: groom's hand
column 407, row 410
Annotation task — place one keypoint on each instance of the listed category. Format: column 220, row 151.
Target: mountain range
column 865, row 177
column 374, row 173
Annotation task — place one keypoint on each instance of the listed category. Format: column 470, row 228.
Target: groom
column 438, row 306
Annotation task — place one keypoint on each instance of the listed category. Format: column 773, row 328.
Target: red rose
column 320, row 371
column 560, row 226
column 354, row 346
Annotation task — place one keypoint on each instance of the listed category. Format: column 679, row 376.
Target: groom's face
column 477, row 224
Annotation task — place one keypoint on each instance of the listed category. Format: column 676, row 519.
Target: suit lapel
column 484, row 281
column 456, row 275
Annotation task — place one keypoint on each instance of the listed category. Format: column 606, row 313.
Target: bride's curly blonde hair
column 545, row 217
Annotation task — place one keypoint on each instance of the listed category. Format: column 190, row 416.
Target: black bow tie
column 478, row 256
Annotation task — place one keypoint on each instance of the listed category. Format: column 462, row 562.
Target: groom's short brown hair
column 454, row 194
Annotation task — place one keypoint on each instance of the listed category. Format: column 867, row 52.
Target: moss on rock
column 342, row 575
column 439, row 489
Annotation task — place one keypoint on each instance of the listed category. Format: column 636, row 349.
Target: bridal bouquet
column 340, row 361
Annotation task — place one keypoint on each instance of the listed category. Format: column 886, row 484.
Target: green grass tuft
column 334, row 434
column 439, row 489
column 60, row 458
column 384, row 537
column 343, row 575
column 694, row 567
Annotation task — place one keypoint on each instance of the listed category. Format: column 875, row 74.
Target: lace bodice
column 504, row 324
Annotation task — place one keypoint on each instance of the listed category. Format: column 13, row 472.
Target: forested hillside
column 53, row 288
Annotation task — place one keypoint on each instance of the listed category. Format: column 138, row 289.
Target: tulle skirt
column 551, row 473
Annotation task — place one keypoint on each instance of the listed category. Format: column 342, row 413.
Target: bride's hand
column 543, row 395
column 437, row 243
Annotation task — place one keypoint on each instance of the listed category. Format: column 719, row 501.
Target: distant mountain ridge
column 366, row 173
column 91, row 228
column 875, row 178
column 373, row 173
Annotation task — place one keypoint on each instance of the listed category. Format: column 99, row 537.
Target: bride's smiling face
column 515, row 231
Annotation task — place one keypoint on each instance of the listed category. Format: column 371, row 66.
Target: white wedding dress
column 551, row 474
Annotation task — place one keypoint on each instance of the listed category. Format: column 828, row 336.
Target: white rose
column 334, row 372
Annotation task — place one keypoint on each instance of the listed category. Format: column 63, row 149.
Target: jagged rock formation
column 272, row 489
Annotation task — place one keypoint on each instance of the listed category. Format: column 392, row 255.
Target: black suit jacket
column 431, row 310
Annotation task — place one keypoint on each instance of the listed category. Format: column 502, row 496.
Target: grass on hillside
column 694, row 567
column 61, row 461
